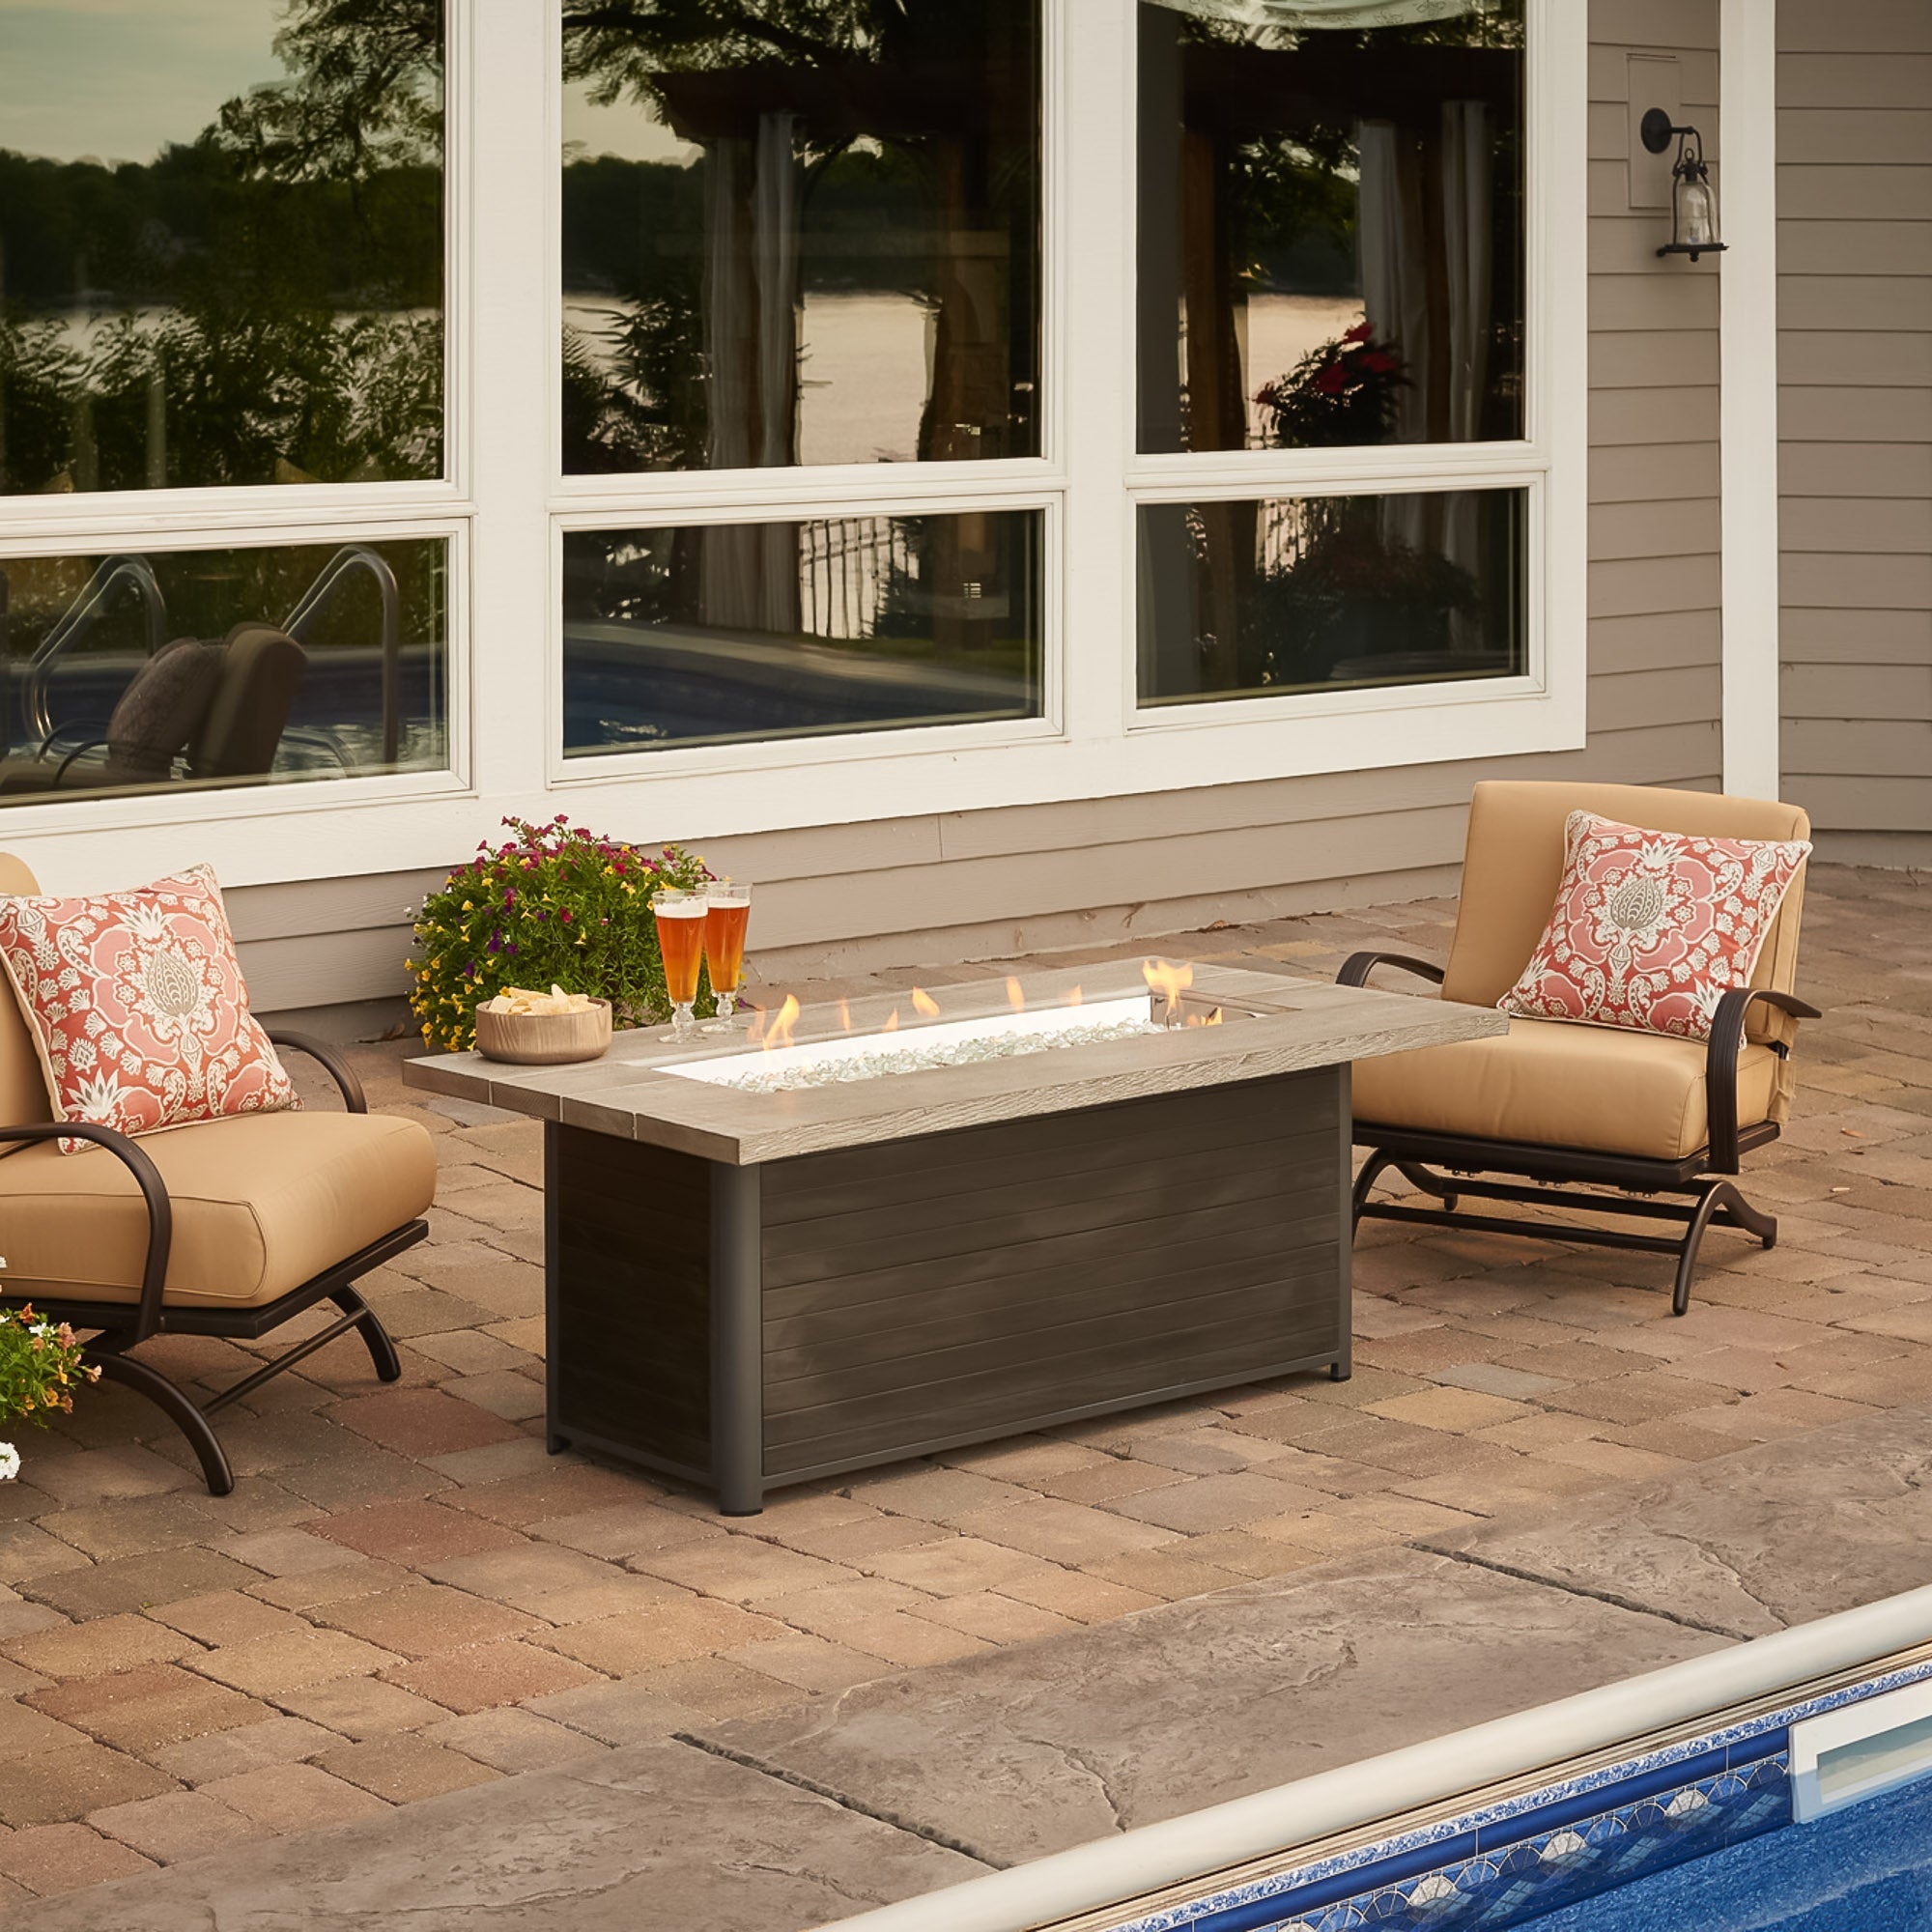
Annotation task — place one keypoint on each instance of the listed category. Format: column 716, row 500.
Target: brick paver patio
column 405, row 1595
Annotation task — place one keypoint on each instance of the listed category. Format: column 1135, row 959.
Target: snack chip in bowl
column 520, row 1000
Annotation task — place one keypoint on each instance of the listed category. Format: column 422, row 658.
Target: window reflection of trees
column 888, row 145
column 259, row 304
column 1331, row 255
column 831, row 147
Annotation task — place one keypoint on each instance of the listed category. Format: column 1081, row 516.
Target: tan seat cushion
column 1605, row 1089
column 261, row 1205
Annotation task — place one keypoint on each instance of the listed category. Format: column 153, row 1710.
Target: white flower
column 9, row 1461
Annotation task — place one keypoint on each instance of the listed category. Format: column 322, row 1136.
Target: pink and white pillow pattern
column 1651, row 929
column 137, row 1008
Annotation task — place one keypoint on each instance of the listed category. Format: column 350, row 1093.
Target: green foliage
column 40, row 1367
column 1353, row 592
column 264, row 302
column 552, row 905
column 1342, row 392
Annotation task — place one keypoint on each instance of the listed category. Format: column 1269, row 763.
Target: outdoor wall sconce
column 1693, row 208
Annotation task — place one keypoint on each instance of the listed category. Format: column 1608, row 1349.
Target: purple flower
column 511, row 947
column 495, row 941
column 509, row 895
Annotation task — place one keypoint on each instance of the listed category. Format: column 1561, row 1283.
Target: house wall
column 1855, row 412
column 988, row 884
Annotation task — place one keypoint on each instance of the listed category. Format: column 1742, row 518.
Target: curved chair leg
column 1719, row 1198
column 182, row 1412
column 1372, row 1169
column 375, row 1337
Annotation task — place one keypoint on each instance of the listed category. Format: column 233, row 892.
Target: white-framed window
column 916, row 482
column 235, row 517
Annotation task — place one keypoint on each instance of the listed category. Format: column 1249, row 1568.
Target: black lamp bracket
column 1656, row 128
column 1656, row 131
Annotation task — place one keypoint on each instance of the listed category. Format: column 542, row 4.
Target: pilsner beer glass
column 727, row 911
column 680, row 918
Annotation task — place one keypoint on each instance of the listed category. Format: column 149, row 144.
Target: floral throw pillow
column 1651, row 929
column 136, row 1006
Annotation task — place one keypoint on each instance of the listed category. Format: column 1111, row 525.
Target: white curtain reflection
column 1298, row 14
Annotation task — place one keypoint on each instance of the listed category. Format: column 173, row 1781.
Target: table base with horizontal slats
column 748, row 1327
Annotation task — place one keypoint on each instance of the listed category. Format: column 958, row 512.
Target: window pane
column 221, row 232
column 1331, row 228
column 715, row 633
column 222, row 667
column 1320, row 593
column 801, row 233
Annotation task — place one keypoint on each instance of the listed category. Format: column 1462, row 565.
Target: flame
column 892, row 1024
column 844, row 1017
column 1170, row 982
column 1202, row 1019
column 1014, row 997
column 922, row 1002
column 778, row 1034
column 757, row 1032
column 1073, row 998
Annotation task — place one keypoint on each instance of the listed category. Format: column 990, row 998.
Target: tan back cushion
column 1513, row 863
column 23, row 1089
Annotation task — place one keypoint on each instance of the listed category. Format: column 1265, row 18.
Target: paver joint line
column 843, row 1799
column 1617, row 1601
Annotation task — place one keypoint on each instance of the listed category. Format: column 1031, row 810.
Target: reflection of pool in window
column 159, row 672
column 721, row 632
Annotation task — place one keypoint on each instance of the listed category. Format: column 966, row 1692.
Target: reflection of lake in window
column 1376, row 164
column 260, row 300
column 829, row 257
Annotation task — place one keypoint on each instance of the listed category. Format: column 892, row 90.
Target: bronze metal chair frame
column 125, row 1324
column 1559, row 1175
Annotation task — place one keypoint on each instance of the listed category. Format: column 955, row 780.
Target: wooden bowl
column 544, row 1040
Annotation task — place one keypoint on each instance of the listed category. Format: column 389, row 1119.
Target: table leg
column 1343, row 1366
column 737, row 1341
column 555, row 1440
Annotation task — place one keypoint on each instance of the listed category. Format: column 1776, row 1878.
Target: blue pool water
column 1867, row 1868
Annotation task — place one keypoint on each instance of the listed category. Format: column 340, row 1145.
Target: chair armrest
column 1356, row 968
column 1721, row 1064
column 330, row 1060
column 66, row 764
column 154, row 1191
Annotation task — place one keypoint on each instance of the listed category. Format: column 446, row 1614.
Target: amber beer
column 680, row 918
column 727, row 912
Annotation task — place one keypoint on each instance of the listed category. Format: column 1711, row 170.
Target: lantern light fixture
column 1693, row 206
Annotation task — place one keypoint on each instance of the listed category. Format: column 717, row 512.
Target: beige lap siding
column 1855, row 422
column 261, row 1205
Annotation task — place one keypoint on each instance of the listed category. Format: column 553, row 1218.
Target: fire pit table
column 900, row 1231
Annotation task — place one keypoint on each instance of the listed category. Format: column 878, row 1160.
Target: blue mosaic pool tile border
column 1510, row 1861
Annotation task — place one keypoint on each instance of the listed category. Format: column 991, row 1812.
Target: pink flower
column 1361, row 332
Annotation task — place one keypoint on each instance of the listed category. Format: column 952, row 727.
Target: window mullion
column 1096, row 376
column 512, row 340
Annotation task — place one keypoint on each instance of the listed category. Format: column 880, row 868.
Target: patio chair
column 226, row 1228
column 1602, row 1118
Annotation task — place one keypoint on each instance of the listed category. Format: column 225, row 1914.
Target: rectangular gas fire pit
column 902, row 1230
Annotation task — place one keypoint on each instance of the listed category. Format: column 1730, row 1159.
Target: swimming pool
column 1867, row 1868
column 1663, row 1803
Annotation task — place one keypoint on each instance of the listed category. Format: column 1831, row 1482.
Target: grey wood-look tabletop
column 1274, row 1024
